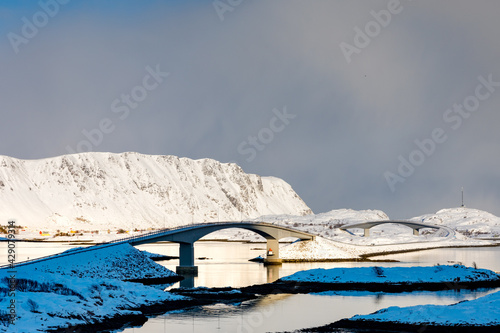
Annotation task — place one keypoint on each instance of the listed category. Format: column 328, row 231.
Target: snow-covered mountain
column 131, row 190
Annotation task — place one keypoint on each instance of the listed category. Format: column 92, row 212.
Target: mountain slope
column 131, row 190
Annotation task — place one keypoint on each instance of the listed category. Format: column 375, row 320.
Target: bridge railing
column 188, row 226
column 156, row 232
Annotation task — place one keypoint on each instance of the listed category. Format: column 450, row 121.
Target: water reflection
column 188, row 281
column 191, row 280
column 273, row 273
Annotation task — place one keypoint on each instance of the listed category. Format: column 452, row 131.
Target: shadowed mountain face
column 131, row 190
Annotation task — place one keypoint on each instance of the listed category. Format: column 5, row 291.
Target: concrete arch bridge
column 186, row 236
column 416, row 226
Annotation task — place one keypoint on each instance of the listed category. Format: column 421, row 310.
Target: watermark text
column 31, row 27
column 11, row 255
column 373, row 28
column 454, row 118
column 255, row 143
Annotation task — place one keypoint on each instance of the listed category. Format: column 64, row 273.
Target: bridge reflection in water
column 272, row 273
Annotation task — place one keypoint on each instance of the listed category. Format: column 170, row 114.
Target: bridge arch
column 187, row 236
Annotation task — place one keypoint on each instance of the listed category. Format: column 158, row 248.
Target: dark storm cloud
column 352, row 120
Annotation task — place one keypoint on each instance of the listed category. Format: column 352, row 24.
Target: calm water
column 227, row 264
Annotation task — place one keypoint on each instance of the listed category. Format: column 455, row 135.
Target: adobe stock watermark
column 255, row 143
column 253, row 321
column 31, row 26
column 454, row 118
column 223, row 6
column 11, row 255
column 373, row 28
column 122, row 107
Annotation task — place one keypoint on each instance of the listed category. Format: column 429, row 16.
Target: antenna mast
column 463, row 197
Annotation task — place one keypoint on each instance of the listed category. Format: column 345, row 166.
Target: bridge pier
column 273, row 253
column 416, row 232
column 186, row 260
column 367, row 232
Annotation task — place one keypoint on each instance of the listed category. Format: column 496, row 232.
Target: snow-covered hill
column 131, row 190
column 467, row 221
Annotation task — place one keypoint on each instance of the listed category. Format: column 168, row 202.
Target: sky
column 389, row 105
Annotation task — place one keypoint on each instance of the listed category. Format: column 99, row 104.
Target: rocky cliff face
column 131, row 190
